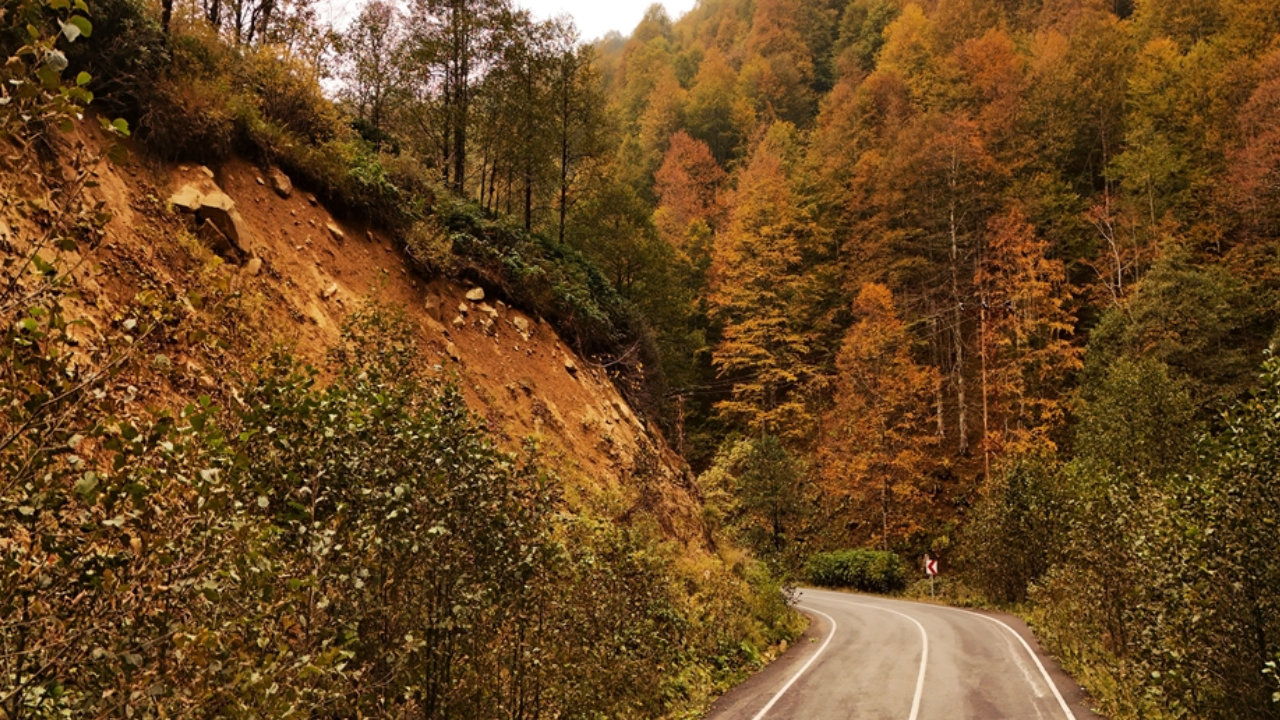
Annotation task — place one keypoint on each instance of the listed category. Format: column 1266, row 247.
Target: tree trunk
column 962, row 409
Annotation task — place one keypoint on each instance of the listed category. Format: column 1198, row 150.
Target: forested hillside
column 290, row 428
column 994, row 280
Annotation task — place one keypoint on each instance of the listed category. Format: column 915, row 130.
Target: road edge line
column 1062, row 703
column 772, row 701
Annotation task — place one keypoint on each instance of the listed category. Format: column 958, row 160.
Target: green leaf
column 42, row 266
column 87, row 484
column 82, row 27
column 49, row 77
column 83, row 78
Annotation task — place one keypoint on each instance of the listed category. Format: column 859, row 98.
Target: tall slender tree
column 760, row 295
column 876, row 445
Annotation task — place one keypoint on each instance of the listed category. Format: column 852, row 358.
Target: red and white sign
column 930, row 566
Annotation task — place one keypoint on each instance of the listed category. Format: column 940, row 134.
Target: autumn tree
column 760, row 295
column 778, row 72
column 688, row 186
column 861, row 34
column 716, row 113
column 921, row 204
column 1025, row 338
column 876, row 444
column 371, row 51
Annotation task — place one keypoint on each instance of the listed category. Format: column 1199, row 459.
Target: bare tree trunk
column 528, row 200
column 939, row 390
column 986, row 434
column 958, row 304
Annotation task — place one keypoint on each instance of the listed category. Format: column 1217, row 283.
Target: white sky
column 594, row 18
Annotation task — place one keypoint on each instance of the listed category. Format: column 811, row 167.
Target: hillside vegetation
column 992, row 280
column 216, row 502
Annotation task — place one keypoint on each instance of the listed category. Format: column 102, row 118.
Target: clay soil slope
column 301, row 271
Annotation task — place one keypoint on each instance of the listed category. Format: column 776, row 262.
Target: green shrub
column 867, row 570
column 190, row 120
column 288, row 94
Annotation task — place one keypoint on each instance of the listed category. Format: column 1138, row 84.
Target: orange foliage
column 687, row 186
column 876, row 447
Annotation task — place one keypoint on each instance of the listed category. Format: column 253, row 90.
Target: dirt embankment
column 293, row 272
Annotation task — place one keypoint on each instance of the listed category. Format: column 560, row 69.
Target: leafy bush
column 1015, row 534
column 288, row 94
column 867, row 570
column 190, row 120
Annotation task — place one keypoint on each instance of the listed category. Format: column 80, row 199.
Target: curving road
column 874, row 658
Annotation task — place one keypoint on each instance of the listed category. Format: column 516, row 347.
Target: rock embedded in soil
column 433, row 307
column 336, row 232
column 281, row 183
column 188, row 199
column 522, row 325
column 475, row 294
column 220, row 210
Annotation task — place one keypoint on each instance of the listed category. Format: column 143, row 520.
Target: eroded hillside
column 295, row 272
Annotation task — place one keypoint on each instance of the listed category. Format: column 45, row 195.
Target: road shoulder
column 746, row 699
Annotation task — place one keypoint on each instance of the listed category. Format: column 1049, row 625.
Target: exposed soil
column 513, row 368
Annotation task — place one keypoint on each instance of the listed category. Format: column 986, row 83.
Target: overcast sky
column 594, row 18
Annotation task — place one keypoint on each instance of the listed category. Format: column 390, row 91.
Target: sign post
column 930, row 569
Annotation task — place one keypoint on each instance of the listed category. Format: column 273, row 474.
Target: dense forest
column 991, row 280
column 994, row 280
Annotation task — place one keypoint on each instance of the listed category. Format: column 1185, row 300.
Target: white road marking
column 763, row 711
column 924, row 655
column 1066, row 709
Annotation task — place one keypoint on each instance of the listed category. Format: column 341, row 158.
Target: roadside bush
column 1016, row 533
column 867, row 570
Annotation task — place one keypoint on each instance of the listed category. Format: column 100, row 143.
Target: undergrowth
column 355, row 546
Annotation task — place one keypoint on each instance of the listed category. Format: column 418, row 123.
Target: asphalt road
column 872, row 658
